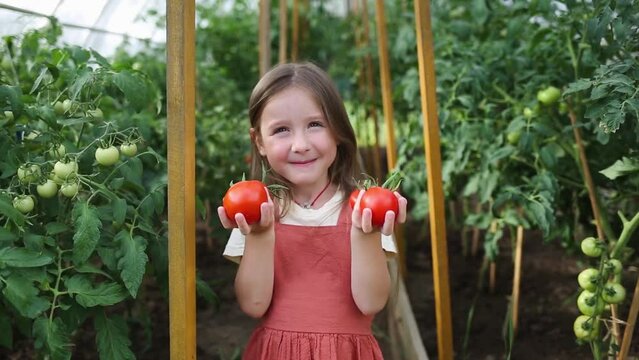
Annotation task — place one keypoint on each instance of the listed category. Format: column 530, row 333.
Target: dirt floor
column 547, row 309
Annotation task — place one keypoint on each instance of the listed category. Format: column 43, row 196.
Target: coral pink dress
column 312, row 315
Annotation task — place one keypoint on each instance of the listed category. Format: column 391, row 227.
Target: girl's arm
column 254, row 278
column 370, row 279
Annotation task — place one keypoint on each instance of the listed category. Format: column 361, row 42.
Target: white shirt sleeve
column 235, row 246
column 388, row 244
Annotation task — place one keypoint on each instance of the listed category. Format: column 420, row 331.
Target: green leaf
column 577, row 86
column 621, row 167
column 112, row 338
column 119, row 210
column 104, row 294
column 133, row 261
column 87, row 231
column 100, row 59
column 134, row 88
column 52, row 336
column 84, row 76
column 7, row 237
column 55, row 228
column 88, row 268
column 23, row 295
column 21, row 257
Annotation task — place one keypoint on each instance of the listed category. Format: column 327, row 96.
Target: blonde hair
column 345, row 168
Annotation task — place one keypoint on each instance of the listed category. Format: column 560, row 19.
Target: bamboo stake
column 283, row 30
column 370, row 92
column 517, row 277
column 265, row 36
column 296, row 30
column 475, row 242
column 630, row 325
column 492, row 273
column 181, row 174
column 427, row 85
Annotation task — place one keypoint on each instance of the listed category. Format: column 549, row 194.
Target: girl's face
column 296, row 139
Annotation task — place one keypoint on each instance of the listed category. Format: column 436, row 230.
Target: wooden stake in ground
column 283, row 30
column 630, row 325
column 180, row 76
column 517, row 277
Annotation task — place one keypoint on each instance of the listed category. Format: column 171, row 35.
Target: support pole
column 427, row 84
column 283, row 30
column 181, row 172
column 264, row 36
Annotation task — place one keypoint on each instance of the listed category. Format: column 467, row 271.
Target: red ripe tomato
column 379, row 200
column 353, row 198
column 245, row 197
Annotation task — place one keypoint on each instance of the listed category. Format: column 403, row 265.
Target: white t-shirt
column 327, row 215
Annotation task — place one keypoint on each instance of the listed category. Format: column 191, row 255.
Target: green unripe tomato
column 549, row 95
column 591, row 247
column 58, row 108
column 28, row 174
column 513, row 137
column 586, row 327
column 613, row 293
column 23, row 203
column 528, row 112
column 95, row 114
column 8, row 114
column 6, row 63
column 57, row 152
column 65, row 170
column 589, row 304
column 107, row 156
column 128, row 149
column 67, row 105
column 47, row 189
column 588, row 279
column 614, row 266
column 69, row 189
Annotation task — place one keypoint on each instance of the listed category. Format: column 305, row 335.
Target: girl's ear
column 257, row 139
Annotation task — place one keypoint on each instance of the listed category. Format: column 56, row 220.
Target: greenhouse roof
column 99, row 24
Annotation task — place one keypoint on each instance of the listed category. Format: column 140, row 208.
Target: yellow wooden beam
column 181, row 171
column 389, row 120
column 283, row 30
column 295, row 29
column 427, row 84
column 264, row 36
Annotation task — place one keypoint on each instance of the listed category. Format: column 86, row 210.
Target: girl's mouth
column 302, row 163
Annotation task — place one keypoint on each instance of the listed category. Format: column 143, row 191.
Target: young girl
column 313, row 269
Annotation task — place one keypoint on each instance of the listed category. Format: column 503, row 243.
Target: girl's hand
column 362, row 219
column 267, row 219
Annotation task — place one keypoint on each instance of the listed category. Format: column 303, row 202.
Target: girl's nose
column 300, row 143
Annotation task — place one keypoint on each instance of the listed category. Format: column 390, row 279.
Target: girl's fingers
column 226, row 222
column 266, row 211
column 367, row 220
column 359, row 198
column 244, row 227
column 403, row 204
column 389, row 223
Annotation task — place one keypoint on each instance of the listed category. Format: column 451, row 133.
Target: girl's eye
column 315, row 124
column 279, row 130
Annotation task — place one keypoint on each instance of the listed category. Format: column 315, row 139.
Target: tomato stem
column 629, row 228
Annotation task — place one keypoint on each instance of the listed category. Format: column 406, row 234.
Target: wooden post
column 370, row 93
column 265, row 36
column 181, row 172
column 630, row 325
column 283, row 30
column 517, row 276
column 427, row 84
column 387, row 101
column 295, row 41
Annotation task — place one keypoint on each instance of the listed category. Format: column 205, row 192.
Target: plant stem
column 629, row 227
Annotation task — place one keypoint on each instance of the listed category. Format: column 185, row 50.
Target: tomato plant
column 23, row 203
column 549, row 95
column 589, row 303
column 129, row 149
column 591, row 247
column 245, row 197
column 588, row 279
column 107, row 156
column 613, row 293
column 586, row 327
column 48, row 189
